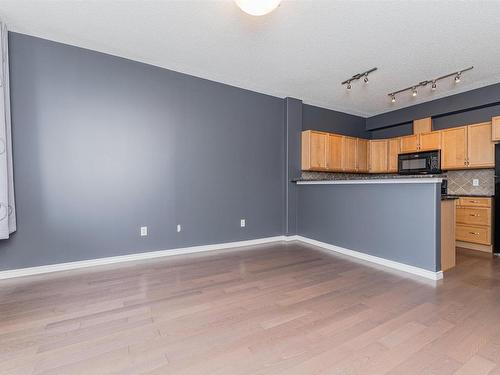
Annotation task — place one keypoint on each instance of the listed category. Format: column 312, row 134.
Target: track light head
column 414, row 91
column 434, row 85
column 366, row 78
column 349, row 85
column 393, row 98
column 457, row 77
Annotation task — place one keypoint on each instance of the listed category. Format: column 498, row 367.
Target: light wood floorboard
column 284, row 308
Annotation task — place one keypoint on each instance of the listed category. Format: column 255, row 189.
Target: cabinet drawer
column 474, row 201
column 469, row 233
column 474, row 216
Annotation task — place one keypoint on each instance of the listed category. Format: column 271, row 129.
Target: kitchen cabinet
column 334, row 151
column 409, row 143
column 495, row 128
column 423, row 125
column 480, row 147
column 474, row 223
column 349, row 154
column 314, row 150
column 377, row 156
column 429, row 141
column 362, row 156
column 448, row 236
column 393, row 149
column 454, row 148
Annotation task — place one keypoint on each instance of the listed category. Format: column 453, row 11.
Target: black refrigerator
column 496, row 216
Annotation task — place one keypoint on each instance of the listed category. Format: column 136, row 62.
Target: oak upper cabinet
column 495, row 128
column 349, row 154
column 314, row 150
column 429, row 141
column 423, row 125
column 362, row 155
column 334, row 152
column 480, row 147
column 394, row 148
column 409, row 143
column 377, row 156
column 454, row 148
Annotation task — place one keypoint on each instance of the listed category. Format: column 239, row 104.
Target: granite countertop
column 475, row 195
column 448, row 197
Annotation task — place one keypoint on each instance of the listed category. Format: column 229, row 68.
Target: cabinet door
column 314, row 150
column 495, row 128
column 378, row 156
column 394, row 145
column 349, row 155
column 362, row 157
column 334, row 150
column 454, row 148
column 430, row 141
column 480, row 147
column 409, row 143
column 423, row 125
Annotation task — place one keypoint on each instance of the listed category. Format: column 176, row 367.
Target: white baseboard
column 373, row 259
column 131, row 257
column 198, row 249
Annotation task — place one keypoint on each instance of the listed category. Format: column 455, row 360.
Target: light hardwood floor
column 271, row 309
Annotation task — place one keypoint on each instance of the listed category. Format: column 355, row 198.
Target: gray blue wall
column 103, row 145
column 470, row 107
column 317, row 118
column 391, row 221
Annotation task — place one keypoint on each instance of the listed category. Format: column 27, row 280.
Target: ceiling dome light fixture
column 257, row 7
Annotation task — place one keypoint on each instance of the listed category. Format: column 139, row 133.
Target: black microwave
column 428, row 162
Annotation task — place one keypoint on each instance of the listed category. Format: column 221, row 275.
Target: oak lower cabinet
column 393, row 149
column 349, row 154
column 474, row 223
column 454, row 148
column 480, row 147
column 334, row 152
column 377, row 155
column 362, row 156
column 314, row 150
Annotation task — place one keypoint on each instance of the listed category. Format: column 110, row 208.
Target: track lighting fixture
column 358, row 76
column 433, row 82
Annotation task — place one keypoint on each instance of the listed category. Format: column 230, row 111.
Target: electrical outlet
column 179, row 228
column 144, row 231
column 243, row 223
column 475, row 182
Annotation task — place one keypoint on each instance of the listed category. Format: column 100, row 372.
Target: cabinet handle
column 474, row 233
column 476, row 215
column 474, row 201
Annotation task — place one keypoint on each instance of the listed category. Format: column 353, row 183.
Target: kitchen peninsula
column 399, row 219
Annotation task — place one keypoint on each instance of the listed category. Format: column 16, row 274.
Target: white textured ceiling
column 304, row 49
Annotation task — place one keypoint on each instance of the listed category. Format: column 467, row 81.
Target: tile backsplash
column 460, row 182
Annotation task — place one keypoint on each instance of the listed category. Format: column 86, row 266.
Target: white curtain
column 7, row 206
